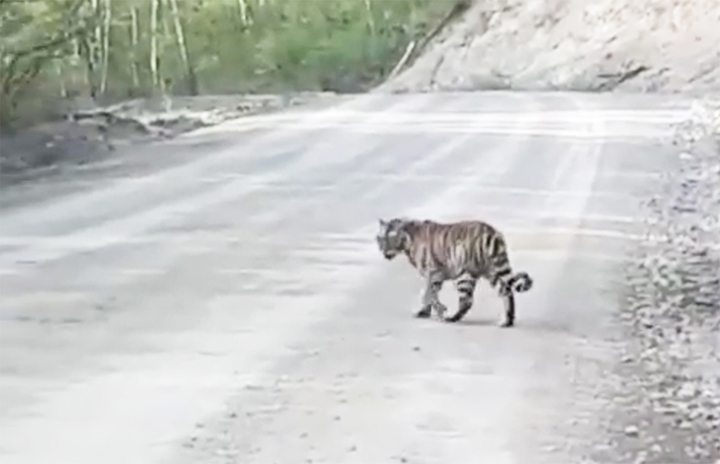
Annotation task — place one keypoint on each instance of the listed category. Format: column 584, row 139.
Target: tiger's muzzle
column 389, row 255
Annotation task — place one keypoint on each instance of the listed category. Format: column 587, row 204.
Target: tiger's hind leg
column 506, row 292
column 509, row 316
column 465, row 286
column 503, row 282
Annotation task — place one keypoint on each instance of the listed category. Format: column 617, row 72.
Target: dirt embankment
column 604, row 45
column 94, row 133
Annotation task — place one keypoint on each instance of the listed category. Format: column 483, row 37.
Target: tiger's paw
column 424, row 313
column 440, row 310
column 505, row 323
column 452, row 319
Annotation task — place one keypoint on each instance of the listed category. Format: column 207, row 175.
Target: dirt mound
column 643, row 45
column 90, row 134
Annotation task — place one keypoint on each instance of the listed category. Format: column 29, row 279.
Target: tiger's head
column 391, row 237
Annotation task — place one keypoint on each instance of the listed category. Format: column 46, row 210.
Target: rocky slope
column 642, row 45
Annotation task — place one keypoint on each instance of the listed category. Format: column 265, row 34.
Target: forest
column 54, row 51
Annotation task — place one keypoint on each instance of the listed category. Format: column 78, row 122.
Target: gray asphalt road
column 222, row 303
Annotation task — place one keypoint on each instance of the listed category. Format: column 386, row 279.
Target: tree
column 33, row 35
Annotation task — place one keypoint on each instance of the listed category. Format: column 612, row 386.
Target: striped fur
column 462, row 252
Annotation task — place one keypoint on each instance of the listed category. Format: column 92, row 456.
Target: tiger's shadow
column 476, row 322
column 532, row 324
column 527, row 325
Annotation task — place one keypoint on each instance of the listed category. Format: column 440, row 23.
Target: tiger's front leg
column 430, row 297
column 508, row 319
column 466, row 288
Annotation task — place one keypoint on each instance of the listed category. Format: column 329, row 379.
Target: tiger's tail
column 520, row 282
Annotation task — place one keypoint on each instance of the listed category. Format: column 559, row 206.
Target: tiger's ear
column 382, row 223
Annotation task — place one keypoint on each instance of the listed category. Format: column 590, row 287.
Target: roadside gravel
column 672, row 365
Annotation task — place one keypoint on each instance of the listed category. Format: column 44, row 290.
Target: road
column 228, row 304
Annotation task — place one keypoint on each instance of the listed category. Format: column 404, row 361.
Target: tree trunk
column 371, row 20
column 182, row 46
column 154, row 60
column 106, row 46
column 134, row 47
column 89, row 48
column 61, row 77
column 243, row 12
column 88, row 53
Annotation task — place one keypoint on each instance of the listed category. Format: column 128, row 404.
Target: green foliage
column 33, row 34
column 232, row 46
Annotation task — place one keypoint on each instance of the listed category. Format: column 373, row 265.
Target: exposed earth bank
column 638, row 46
column 93, row 134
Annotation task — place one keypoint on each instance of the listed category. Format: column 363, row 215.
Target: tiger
column 463, row 252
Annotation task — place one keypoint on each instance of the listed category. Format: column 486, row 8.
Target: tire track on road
column 115, row 231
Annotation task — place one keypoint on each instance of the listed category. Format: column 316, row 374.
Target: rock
column 640, row 458
column 632, row 431
column 665, row 411
column 685, row 425
column 687, row 390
